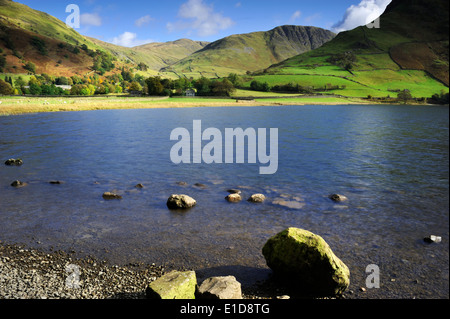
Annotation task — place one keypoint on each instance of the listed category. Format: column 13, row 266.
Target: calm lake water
column 392, row 162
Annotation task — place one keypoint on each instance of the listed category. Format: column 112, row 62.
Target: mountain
column 28, row 35
column 252, row 51
column 410, row 50
column 168, row 53
column 155, row 55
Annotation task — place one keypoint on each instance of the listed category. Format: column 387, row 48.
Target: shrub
column 259, row 86
column 30, row 66
column 39, row 44
column 5, row 88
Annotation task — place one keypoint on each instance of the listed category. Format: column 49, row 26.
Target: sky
column 136, row 22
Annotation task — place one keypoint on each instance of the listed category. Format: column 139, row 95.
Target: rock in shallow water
column 18, row 184
column 233, row 198
column 338, row 198
column 14, row 162
column 305, row 258
column 257, row 198
column 182, row 201
column 110, row 196
column 432, row 239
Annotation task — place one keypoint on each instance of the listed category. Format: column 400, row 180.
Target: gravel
column 32, row 274
column 35, row 274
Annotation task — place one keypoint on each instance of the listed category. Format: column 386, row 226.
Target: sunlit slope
column 250, row 52
column 408, row 51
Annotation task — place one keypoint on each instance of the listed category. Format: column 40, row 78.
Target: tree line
column 123, row 82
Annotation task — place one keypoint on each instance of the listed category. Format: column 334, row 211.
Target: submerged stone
column 174, row 285
column 289, row 204
column 305, row 259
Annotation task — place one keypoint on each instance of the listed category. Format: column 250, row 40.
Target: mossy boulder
column 173, row 285
column 306, row 260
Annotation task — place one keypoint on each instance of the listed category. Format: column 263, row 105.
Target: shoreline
column 33, row 273
column 28, row 105
column 28, row 273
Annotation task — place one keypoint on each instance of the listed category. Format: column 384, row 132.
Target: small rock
column 257, row 198
column 14, row 162
column 220, row 288
column 56, row 182
column 362, row 289
column 174, row 285
column 139, row 186
column 233, row 198
column 432, row 239
column 181, row 183
column 109, row 196
column 182, row 201
column 18, row 184
column 234, row 191
column 200, row 185
column 338, row 198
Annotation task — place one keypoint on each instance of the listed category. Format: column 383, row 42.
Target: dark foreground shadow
column 255, row 283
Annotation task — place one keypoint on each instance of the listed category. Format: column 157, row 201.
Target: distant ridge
column 251, row 51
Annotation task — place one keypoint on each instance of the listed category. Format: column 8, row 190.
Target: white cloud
column 143, row 20
column 129, row 39
column 200, row 17
column 363, row 13
column 295, row 16
column 93, row 19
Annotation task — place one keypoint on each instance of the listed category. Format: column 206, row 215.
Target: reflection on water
column 390, row 161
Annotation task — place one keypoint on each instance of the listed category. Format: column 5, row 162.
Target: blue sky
column 135, row 22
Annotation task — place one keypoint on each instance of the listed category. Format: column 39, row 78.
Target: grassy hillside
column 28, row 35
column 168, row 53
column 250, row 52
column 409, row 51
column 155, row 55
column 18, row 16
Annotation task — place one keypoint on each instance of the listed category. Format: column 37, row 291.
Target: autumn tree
column 5, row 88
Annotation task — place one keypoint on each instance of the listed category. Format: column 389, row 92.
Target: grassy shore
column 23, row 105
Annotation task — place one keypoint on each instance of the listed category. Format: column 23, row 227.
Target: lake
column 392, row 162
